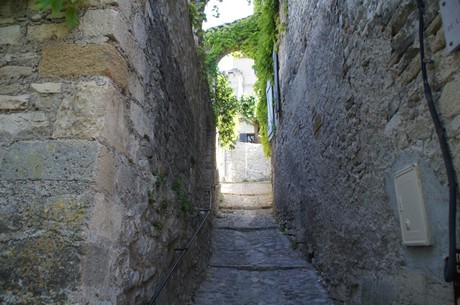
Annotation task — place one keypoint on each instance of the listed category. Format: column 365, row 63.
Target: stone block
column 449, row 101
column 81, row 114
column 93, row 110
column 106, row 220
column 44, row 32
column 142, row 123
column 22, row 125
column 10, row 89
column 109, row 23
column 7, row 72
column 140, row 33
column 135, row 88
column 19, row 102
column 49, row 160
column 106, row 171
column 90, row 60
column 10, row 34
column 96, row 267
column 43, row 102
column 103, row 23
column 47, row 87
column 20, row 57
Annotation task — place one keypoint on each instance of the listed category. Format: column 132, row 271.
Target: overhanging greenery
column 255, row 36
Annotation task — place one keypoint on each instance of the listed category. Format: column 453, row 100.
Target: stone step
column 244, row 219
column 245, row 202
column 247, row 188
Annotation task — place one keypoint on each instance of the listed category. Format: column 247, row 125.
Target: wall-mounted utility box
column 450, row 13
column 411, row 207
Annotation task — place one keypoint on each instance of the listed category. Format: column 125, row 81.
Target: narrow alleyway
column 252, row 262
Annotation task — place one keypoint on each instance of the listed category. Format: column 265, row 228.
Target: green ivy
column 247, row 107
column 226, row 111
column 255, row 37
column 268, row 23
column 68, row 6
column 240, row 35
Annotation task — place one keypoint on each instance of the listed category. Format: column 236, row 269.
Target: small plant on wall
column 68, row 6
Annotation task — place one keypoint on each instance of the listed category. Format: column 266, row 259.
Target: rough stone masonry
column 352, row 115
column 106, row 153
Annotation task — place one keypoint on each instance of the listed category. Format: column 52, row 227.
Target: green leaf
column 56, row 6
column 71, row 17
column 43, row 4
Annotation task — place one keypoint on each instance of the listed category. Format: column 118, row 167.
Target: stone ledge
column 47, row 87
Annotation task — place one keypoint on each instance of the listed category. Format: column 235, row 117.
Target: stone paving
column 252, row 261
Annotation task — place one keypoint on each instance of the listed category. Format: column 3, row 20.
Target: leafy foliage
column 68, row 6
column 240, row 35
column 197, row 16
column 247, row 107
column 255, row 37
column 267, row 22
column 226, row 110
column 182, row 196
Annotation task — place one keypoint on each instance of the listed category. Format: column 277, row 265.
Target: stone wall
column 354, row 114
column 106, row 153
column 247, row 162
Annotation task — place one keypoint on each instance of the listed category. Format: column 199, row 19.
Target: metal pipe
column 450, row 270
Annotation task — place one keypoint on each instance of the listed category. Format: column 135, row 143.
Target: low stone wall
column 353, row 115
column 106, row 152
column 247, row 162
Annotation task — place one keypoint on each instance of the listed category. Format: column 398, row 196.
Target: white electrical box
column 450, row 13
column 411, row 207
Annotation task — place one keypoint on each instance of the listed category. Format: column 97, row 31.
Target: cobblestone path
column 252, row 262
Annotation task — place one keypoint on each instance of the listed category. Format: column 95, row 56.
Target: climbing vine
column 268, row 23
column 255, row 36
column 68, row 6
column 240, row 35
column 247, row 107
column 226, row 109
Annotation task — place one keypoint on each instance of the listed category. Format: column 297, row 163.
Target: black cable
column 450, row 270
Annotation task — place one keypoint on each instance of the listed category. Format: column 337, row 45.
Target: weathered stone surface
column 10, row 34
column 14, row 71
column 335, row 189
column 449, row 101
column 106, row 172
column 109, row 23
column 22, row 125
column 106, row 220
column 102, row 22
column 49, row 160
column 6, row 20
column 19, row 102
column 234, row 166
column 93, row 110
column 90, row 60
column 44, row 32
column 142, row 123
column 44, row 229
column 20, row 57
column 112, row 193
column 47, row 87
